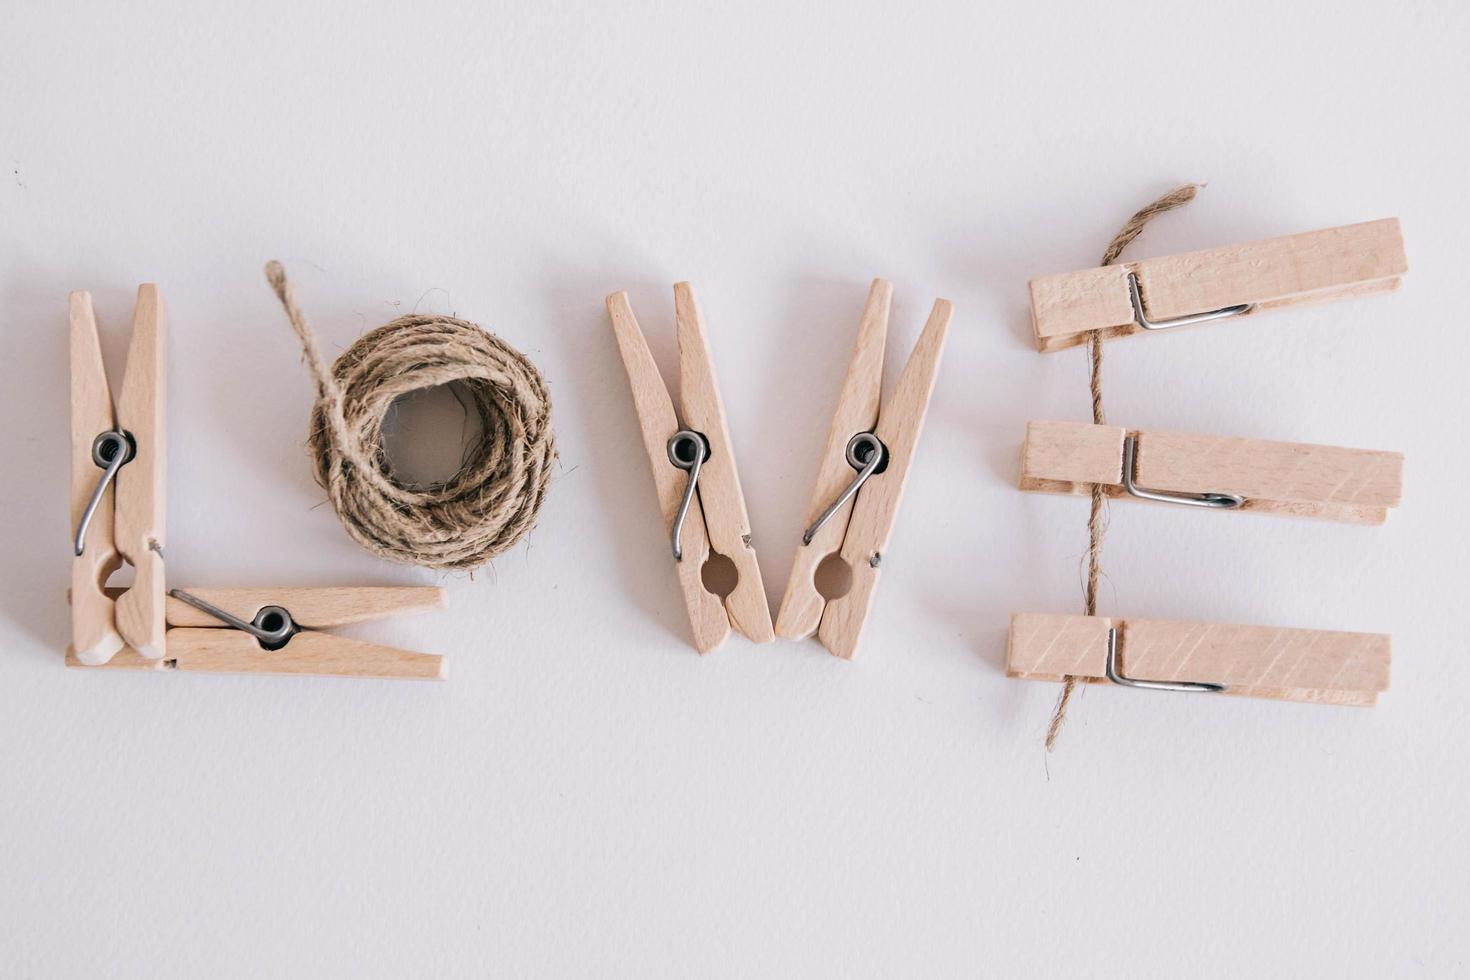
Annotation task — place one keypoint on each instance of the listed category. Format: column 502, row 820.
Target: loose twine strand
column 483, row 509
column 1096, row 525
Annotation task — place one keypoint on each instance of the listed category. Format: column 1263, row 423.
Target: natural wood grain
column 1068, row 457
column 657, row 421
column 876, row 509
column 125, row 659
column 725, row 518
column 228, row 651
column 1254, row 661
column 857, row 411
column 141, row 488
column 1354, row 486
column 310, row 608
column 94, row 633
column 1277, row 272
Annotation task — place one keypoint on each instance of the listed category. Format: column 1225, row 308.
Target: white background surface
column 585, row 796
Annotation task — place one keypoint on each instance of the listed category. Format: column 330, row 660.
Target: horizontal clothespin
column 1197, row 287
column 279, row 631
column 864, row 466
column 1355, row 486
column 117, row 484
column 694, row 473
column 1319, row 666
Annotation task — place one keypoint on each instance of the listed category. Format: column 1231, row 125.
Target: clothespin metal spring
column 1114, row 674
column 110, row 450
column 687, row 451
column 1223, row 501
column 272, row 626
column 866, row 454
column 1140, row 316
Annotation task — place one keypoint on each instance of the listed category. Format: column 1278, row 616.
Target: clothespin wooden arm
column 1312, row 267
column 857, row 411
column 141, row 488
column 873, row 515
column 200, row 642
column 720, row 496
column 310, row 608
column 1253, row 661
column 657, row 423
column 1295, row 479
column 228, row 651
column 93, row 629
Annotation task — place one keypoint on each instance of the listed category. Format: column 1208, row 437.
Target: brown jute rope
column 483, row 509
column 1096, row 526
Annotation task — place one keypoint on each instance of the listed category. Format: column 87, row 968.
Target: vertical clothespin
column 694, row 472
column 117, row 484
column 860, row 481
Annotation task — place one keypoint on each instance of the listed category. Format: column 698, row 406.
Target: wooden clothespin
column 278, row 631
column 1157, row 654
column 117, row 484
column 1179, row 290
column 853, row 515
column 1355, row 486
column 694, row 472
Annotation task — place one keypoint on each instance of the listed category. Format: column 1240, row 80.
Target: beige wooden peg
column 720, row 496
column 200, row 642
column 118, row 508
column 1355, row 486
column 1236, row 280
column 93, row 628
column 719, row 499
column 1319, row 666
column 858, row 529
column 141, row 487
column 857, row 411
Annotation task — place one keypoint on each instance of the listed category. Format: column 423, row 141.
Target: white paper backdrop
column 585, row 796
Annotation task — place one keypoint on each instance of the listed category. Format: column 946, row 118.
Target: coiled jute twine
column 483, row 509
column 1096, row 521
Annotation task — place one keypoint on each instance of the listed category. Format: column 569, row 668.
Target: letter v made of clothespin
column 117, row 484
column 860, row 482
column 694, row 472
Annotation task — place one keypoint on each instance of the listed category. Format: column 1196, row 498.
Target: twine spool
column 483, row 509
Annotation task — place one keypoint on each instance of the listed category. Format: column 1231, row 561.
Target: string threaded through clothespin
column 494, row 498
column 1096, row 520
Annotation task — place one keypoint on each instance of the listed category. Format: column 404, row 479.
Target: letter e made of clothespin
column 1318, row 666
column 1354, row 486
column 1156, row 294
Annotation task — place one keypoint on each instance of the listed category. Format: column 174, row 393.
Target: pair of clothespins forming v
column 867, row 458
